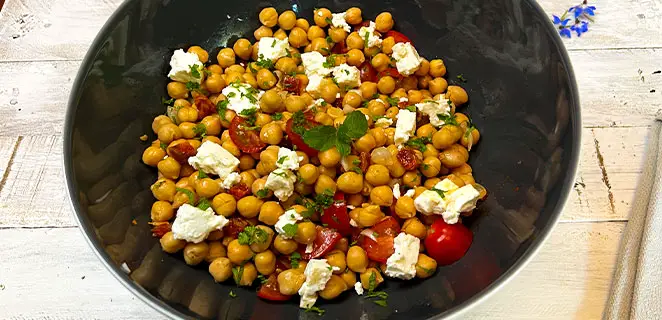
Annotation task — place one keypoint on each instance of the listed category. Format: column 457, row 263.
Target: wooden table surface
column 47, row 269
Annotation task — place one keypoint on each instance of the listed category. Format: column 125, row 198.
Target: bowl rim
column 454, row 312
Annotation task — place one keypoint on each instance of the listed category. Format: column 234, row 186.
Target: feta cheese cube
column 242, row 96
column 289, row 217
column 338, row 21
column 358, row 287
column 434, row 108
column 410, row 193
column 281, row 182
column 396, row 191
column 314, row 81
column 288, row 159
column 272, row 48
column 347, row 76
column 181, row 64
column 405, row 126
column 318, row 272
column 429, row 202
column 463, row 199
column 383, row 122
column 231, row 179
column 194, row 225
column 406, row 58
column 402, row 263
column 455, row 200
column 309, row 248
column 369, row 33
column 446, row 185
column 313, row 64
column 211, row 158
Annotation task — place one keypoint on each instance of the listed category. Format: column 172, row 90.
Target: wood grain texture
column 76, row 285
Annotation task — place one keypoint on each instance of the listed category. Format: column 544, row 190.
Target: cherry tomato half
column 239, row 190
column 292, row 84
column 379, row 249
column 205, row 106
column 159, row 229
column 297, row 139
column 336, row 215
column 368, row 72
column 397, row 36
column 393, row 72
column 447, row 243
column 339, row 48
column 324, row 242
column 182, row 151
column 235, row 226
column 270, row 291
column 407, row 157
column 247, row 139
column 389, row 226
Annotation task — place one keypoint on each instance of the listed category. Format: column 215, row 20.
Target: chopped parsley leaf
column 426, row 270
column 187, row 192
column 238, row 274
column 202, row 174
column 411, row 108
column 290, row 230
column 294, row 259
column 392, row 101
column 262, row 193
column 461, row 77
column 222, row 108
column 203, row 204
column 232, row 294
column 264, row 63
column 277, row 116
column 252, row 234
column 441, row 193
column 168, row 102
column 366, row 36
column 419, row 143
column 273, row 44
column 328, row 20
column 192, row 86
column 200, row 130
column 195, row 73
column 262, row 279
column 328, row 39
column 448, row 118
column 316, row 310
column 163, row 145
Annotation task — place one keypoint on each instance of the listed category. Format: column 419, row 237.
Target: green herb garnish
column 222, row 108
column 290, row 230
column 461, row 77
column 273, row 44
column 392, row 101
column 441, row 193
column 316, row 310
column 163, row 145
column 202, row 174
column 192, row 86
column 325, row 137
column 294, row 259
column 168, row 102
column 262, row 279
column 329, row 40
column 328, row 20
column 189, row 193
column 195, row 73
column 264, row 63
column 448, row 118
column 203, row 204
column 426, row 270
column 200, row 130
column 277, row 116
column 237, row 274
column 251, row 235
column 232, row 294
column 419, row 143
column 262, row 193
column 366, row 36
column 411, row 108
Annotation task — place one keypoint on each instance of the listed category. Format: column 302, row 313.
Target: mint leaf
column 189, row 193
column 321, row 137
column 203, row 204
column 354, row 126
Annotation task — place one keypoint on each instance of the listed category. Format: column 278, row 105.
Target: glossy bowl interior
column 523, row 97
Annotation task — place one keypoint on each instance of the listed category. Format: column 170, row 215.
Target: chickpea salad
column 320, row 157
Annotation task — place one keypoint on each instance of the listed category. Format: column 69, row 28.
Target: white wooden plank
column 76, row 285
column 32, row 29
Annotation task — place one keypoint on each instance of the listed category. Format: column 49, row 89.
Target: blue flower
column 560, row 22
column 589, row 10
column 565, row 32
column 577, row 10
column 580, row 28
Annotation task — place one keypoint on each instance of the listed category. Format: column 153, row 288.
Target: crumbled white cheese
column 369, row 32
column 383, row 122
column 242, row 96
column 405, row 126
column 194, row 225
column 410, row 193
column 434, row 108
column 272, row 48
column 429, row 202
column 289, row 217
column 288, row 159
column 406, row 58
column 403, row 99
column 211, row 158
column 402, row 263
column 181, row 64
column 461, row 200
column 313, row 63
column 396, row 191
column 314, row 82
column 347, row 76
column 309, row 248
column 281, row 182
column 446, row 185
column 353, row 223
column 350, row 207
column 231, row 179
column 318, row 272
column 455, row 200
column 338, row 21
column 358, row 287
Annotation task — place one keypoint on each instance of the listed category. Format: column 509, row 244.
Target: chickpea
column 414, row 227
column 160, row 121
column 455, row 179
column 220, row 269
column 298, row 37
column 381, row 196
column 287, row 20
column 357, row 259
column 467, row 178
column 457, row 95
column 246, row 162
column 224, row 204
column 369, row 216
column 216, row 250
column 368, row 89
column 381, row 62
column 412, row 179
column 187, row 114
column 260, row 33
column 320, row 45
column 271, row 133
column 355, row 42
column 169, row 132
column 386, row 85
column 371, row 273
column 404, row 208
column 226, row 58
column 161, row 211
column 268, row 17
column 437, row 85
column 334, row 287
column 243, row 48
column 323, row 118
column 270, row 212
column 303, row 24
column 437, row 68
column 336, row 258
column 265, row 79
column 280, row 34
column 265, row 262
column 181, row 198
column 290, row 281
column 163, row 189
column 239, row 253
column 446, row 136
column 285, row 246
column 463, row 169
column 376, row 108
column 188, row 130
column 353, row 15
column 355, row 57
column 424, row 83
column 315, row 32
column 454, row 156
column 330, row 157
column 324, row 182
column 294, row 103
column 153, row 155
column 248, row 275
column 207, row 187
column 203, row 56
column 177, row 90
column 377, row 175
column 387, row 45
column 308, row 173
column 171, row 245
column 194, row 253
column 249, row 206
column 425, row 266
column 169, row 168
column 426, row 130
column 306, row 232
column 342, row 245
column 321, row 16
column 384, row 22
column 350, row 182
column 430, row 167
column 262, row 246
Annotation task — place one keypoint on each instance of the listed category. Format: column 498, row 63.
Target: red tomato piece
column 159, row 229
column 407, row 158
column 389, row 226
column 292, row 84
column 339, row 48
column 205, row 106
column 235, row 226
column 181, row 152
column 239, row 190
column 447, row 243
column 379, row 249
column 393, row 72
column 270, row 291
column 324, row 242
column 397, row 36
column 368, row 72
column 297, row 139
column 364, row 157
column 247, row 139
column 336, row 215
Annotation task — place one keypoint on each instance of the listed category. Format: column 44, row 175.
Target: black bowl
column 523, row 97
